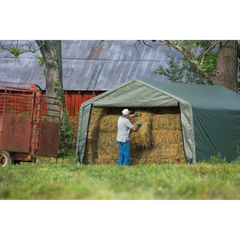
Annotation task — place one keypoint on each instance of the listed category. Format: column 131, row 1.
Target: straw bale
column 183, row 161
column 181, row 150
column 93, row 127
column 165, row 136
column 91, row 144
column 165, row 151
column 109, row 123
column 107, row 138
column 142, row 137
column 105, row 151
column 170, row 151
column 139, row 156
column 90, row 152
column 175, row 161
column 166, row 121
column 107, row 161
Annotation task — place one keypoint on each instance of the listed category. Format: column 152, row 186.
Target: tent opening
column 158, row 140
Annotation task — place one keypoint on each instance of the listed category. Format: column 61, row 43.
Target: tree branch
column 191, row 59
column 69, row 69
column 100, row 42
column 208, row 51
column 146, row 44
column 41, row 46
column 102, row 39
column 138, row 41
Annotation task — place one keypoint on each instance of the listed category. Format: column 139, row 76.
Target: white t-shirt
column 124, row 126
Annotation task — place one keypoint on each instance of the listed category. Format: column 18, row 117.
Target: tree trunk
column 53, row 71
column 226, row 72
column 52, row 53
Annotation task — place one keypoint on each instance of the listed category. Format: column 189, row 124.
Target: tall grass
column 48, row 180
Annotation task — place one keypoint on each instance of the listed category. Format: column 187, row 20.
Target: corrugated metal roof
column 93, row 67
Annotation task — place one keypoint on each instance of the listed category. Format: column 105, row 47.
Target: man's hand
column 138, row 125
column 137, row 114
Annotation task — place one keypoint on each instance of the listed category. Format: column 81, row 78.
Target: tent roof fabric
column 201, row 95
column 209, row 114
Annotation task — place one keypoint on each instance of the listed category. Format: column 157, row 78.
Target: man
column 124, row 126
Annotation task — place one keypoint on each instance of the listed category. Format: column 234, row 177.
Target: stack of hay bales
column 158, row 140
column 141, row 139
column 92, row 138
column 143, row 136
column 166, row 139
column 107, row 140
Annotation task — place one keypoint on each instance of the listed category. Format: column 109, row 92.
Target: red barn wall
column 74, row 99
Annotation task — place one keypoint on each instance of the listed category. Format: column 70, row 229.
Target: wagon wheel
column 5, row 158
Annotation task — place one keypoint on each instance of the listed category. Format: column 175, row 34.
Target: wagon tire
column 5, row 158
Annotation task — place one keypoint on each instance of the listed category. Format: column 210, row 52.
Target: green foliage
column 15, row 51
column 177, row 68
column 68, row 137
column 94, row 94
column 216, row 160
column 25, row 113
column 68, row 128
column 237, row 157
column 10, row 110
column 41, row 60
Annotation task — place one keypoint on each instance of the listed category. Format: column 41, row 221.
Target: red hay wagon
column 29, row 123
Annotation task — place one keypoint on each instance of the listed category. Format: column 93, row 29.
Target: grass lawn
column 64, row 180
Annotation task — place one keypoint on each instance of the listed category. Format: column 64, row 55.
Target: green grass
column 64, row 180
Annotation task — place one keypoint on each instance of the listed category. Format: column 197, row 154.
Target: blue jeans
column 124, row 148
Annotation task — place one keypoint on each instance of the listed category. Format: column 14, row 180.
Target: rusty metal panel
column 1, row 127
column 48, row 139
column 16, row 133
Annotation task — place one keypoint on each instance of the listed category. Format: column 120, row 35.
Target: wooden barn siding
column 74, row 99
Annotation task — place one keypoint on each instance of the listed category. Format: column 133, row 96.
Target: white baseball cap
column 126, row 111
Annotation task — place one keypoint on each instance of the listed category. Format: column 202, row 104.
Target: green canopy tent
column 210, row 114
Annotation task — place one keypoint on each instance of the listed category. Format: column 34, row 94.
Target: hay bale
column 181, row 150
column 170, row 151
column 164, row 151
column 92, row 137
column 166, row 122
column 107, row 161
column 109, row 123
column 93, row 127
column 108, row 152
column 90, row 153
column 107, row 138
column 166, row 136
column 183, row 161
column 182, row 154
column 139, row 156
column 175, row 161
column 143, row 136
